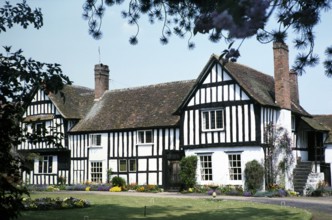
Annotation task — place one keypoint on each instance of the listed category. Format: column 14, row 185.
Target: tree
column 229, row 20
column 19, row 78
column 187, row 174
column 254, row 175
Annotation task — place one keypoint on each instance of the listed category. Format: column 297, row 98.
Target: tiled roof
column 155, row 105
column 76, row 102
column 259, row 86
column 141, row 107
column 325, row 120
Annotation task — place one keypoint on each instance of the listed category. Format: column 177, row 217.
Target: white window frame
column 46, row 164
column 129, row 165
column 126, row 165
column 212, row 119
column 144, row 141
column 94, row 140
column 96, row 171
column 235, row 166
column 293, row 123
column 206, row 172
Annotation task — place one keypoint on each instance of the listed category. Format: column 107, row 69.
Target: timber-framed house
column 142, row 133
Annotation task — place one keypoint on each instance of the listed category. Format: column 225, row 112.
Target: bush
column 118, row 181
column 254, row 175
column 51, row 204
column 188, row 171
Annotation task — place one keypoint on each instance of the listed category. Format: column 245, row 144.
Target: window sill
column 95, row 147
column 144, row 144
column 213, row 130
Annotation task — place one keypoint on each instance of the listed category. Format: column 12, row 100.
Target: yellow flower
column 115, row 189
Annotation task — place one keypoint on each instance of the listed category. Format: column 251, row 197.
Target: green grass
column 113, row 206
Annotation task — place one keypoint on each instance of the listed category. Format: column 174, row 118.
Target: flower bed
column 51, row 204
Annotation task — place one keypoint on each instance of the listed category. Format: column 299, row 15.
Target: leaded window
column 144, row 137
column 95, row 140
column 235, row 170
column 96, row 169
column 45, row 164
column 206, row 167
column 213, row 119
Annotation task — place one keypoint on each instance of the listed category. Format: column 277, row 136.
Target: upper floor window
column 95, row 140
column 144, row 137
column 45, row 164
column 39, row 128
column 213, row 119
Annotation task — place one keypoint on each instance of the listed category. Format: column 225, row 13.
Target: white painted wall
column 99, row 154
column 328, row 153
column 220, row 163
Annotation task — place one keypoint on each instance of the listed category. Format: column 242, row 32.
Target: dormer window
column 95, row 140
column 144, row 137
column 213, row 119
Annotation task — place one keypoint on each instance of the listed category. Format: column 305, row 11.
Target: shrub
column 61, row 180
column 50, row 203
column 188, row 171
column 103, row 187
column 140, row 189
column 118, row 181
column 323, row 189
column 254, row 175
column 115, row 189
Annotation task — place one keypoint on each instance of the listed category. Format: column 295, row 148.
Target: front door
column 315, row 146
column 172, row 169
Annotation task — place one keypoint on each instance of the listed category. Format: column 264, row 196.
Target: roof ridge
column 244, row 65
column 150, row 86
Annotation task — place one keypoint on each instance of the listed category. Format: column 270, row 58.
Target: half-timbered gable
column 135, row 134
column 223, row 109
column 53, row 115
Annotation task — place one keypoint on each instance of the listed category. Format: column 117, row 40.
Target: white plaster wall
column 144, row 150
column 285, row 120
column 153, row 178
column 220, row 166
column 141, row 178
column 328, row 153
column 100, row 154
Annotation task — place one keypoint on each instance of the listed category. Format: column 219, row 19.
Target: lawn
column 113, row 206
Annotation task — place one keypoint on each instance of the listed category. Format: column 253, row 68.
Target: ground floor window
column 132, row 165
column 96, row 169
column 45, row 164
column 123, row 165
column 235, row 170
column 206, row 167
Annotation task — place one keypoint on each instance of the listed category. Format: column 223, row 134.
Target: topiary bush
column 188, row 171
column 118, row 181
column 254, row 175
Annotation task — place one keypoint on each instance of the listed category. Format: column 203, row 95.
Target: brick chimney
column 294, row 87
column 282, row 86
column 101, row 80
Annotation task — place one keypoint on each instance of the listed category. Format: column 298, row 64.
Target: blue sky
column 64, row 39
